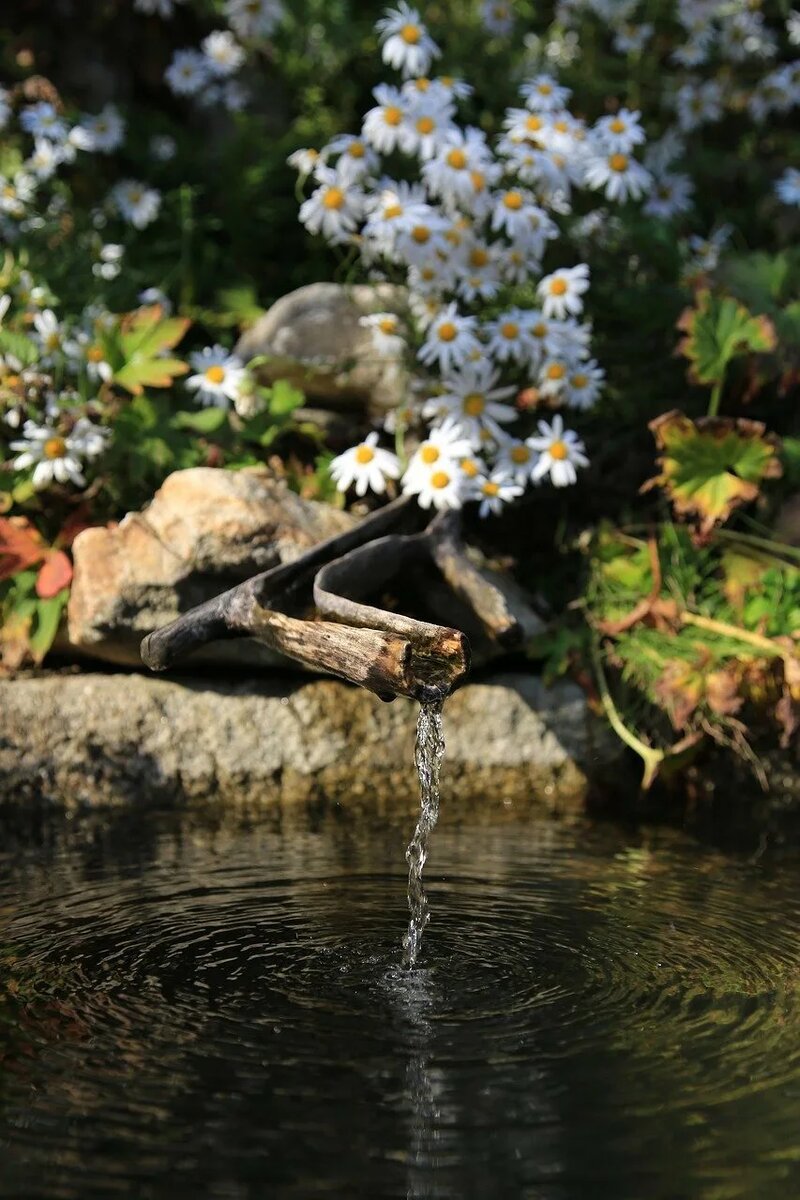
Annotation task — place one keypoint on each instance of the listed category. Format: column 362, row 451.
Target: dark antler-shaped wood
column 384, row 651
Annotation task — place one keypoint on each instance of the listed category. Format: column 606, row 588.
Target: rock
column 75, row 740
column 204, row 531
column 312, row 337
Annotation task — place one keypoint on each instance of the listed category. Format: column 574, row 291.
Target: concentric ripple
column 194, row 1013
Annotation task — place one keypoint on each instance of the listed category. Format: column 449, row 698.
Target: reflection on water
column 190, row 1012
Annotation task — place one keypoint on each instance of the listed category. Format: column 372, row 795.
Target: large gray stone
column 90, row 739
column 204, row 531
column 313, row 338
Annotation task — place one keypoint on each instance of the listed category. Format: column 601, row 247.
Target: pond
column 204, row 1007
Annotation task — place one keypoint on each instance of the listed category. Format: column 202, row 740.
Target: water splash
column 428, row 755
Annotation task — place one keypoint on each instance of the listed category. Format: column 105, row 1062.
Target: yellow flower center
column 392, row 115
column 422, row 84
column 388, row 325
column 426, row 125
column 457, row 159
column 478, row 257
column 392, row 211
column 410, row 34
column 215, row 374
column 55, row 447
column 429, row 454
column 333, row 198
column 558, row 286
column 579, row 381
column 558, row 450
column 544, row 89
column 561, row 126
column 470, row 468
column 509, row 330
column 478, row 180
column 556, row 371
column 490, row 489
column 421, row 234
column 618, row 162
column 617, row 126
column 533, row 123
column 520, row 454
column 440, row 479
column 474, row 404
column 52, row 341
column 94, row 354
column 428, row 274
column 447, row 331
column 539, row 330
column 356, row 150
column 364, row 455
column 513, row 200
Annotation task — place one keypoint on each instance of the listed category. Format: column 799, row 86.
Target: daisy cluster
column 466, row 223
column 209, row 74
column 51, row 140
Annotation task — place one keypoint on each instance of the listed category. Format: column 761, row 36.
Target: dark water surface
column 188, row 1011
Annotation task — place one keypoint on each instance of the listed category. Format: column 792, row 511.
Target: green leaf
column 713, row 465
column 284, row 398
column 140, row 343
column 719, row 329
column 140, row 373
column 47, row 621
column 20, row 346
column 207, row 420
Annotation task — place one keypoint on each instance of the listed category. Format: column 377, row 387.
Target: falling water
column 428, row 754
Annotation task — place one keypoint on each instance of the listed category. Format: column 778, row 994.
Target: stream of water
column 428, row 755
column 197, row 1008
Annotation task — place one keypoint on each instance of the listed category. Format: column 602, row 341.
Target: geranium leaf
column 718, row 329
column 55, row 574
column 140, row 373
column 21, row 546
column 47, row 621
column 207, row 420
column 141, row 342
column 711, row 466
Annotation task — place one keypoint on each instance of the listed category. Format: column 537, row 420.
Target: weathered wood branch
column 383, row 650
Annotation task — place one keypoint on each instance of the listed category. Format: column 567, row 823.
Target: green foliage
column 717, row 330
column 136, row 349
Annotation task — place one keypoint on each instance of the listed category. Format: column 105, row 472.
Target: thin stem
column 716, row 396
column 651, row 757
column 776, row 549
column 740, row 635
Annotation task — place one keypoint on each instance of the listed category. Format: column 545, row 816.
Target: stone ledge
column 87, row 740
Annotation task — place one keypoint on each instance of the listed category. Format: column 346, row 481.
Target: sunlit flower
column 304, row 161
column 517, row 459
column 451, row 174
column 561, row 292
column 16, row 193
column 451, row 340
column 223, row 53
column 444, row 487
column 385, row 125
column 495, row 492
column 509, row 336
column 334, row 209
column 42, row 120
column 583, row 385
column 560, row 452
column 620, row 133
column 366, row 466
column 54, row 458
column 472, row 399
column 254, row 18
column 219, row 376
column 105, row 131
column 621, row 176
column 385, row 329
column 544, row 94
column 407, row 45
column 497, row 17
column 187, row 73
column 445, row 446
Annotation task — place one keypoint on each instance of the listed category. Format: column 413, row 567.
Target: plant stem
column 734, row 631
column 651, row 757
column 716, row 396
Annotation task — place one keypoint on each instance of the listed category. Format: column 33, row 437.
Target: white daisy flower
column 334, row 209
column 793, row 27
column 254, row 18
column 163, row 147
column 544, row 94
column 188, row 72
column 42, row 120
column 16, row 193
column 444, row 487
column 622, row 177
column 553, row 376
column 384, row 125
column 560, row 450
column 620, row 133
column 223, row 53
column 671, row 194
column 386, row 331
column 104, row 132
column 509, row 337
column 50, row 335
column 135, row 202
column 89, row 439
column 220, row 376
column 45, row 160
column 787, row 188
column 583, row 385
column 451, row 173
column 356, row 160
column 472, row 399
column 495, row 492
column 407, row 45
column 497, row 17
column 429, row 121
column 444, row 446
column 561, row 292
column 451, row 340
column 54, row 458
column 516, row 459
column 366, row 466
column 698, row 105
column 154, row 295
column 305, row 161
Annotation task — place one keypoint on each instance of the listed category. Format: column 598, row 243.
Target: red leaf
column 76, row 522
column 20, row 546
column 55, row 575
